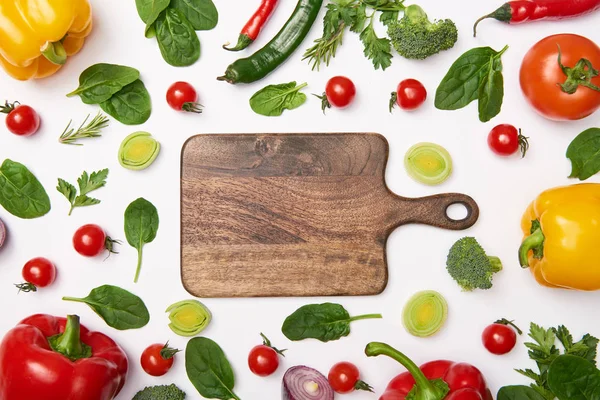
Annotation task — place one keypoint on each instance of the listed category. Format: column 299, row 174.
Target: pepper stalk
column 69, row 342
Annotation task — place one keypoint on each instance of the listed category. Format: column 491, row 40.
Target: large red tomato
column 547, row 86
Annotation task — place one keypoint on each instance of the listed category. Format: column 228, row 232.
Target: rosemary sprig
column 91, row 130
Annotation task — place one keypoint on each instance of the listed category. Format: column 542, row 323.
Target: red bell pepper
column 51, row 358
column 435, row 380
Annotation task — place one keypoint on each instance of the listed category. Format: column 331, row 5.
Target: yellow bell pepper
column 562, row 237
column 37, row 36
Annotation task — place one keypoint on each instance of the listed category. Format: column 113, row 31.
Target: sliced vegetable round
column 188, row 317
column 138, row 151
column 425, row 313
column 428, row 163
column 304, row 383
column 2, row 233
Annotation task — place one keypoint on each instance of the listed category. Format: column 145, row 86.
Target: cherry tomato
column 505, row 140
column 182, row 96
column 344, row 378
column 339, row 92
column 90, row 240
column 158, row 359
column 38, row 272
column 410, row 94
column 541, row 77
column 500, row 338
column 464, row 394
column 21, row 120
column 263, row 359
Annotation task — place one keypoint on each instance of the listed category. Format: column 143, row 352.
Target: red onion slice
column 2, row 233
column 304, row 383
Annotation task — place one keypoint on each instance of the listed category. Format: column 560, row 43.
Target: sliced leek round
column 188, row 317
column 425, row 313
column 428, row 163
column 138, row 151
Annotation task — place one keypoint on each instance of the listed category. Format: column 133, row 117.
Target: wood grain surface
column 294, row 214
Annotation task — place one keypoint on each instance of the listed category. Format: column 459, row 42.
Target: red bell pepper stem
column 254, row 25
column 424, row 389
column 69, row 343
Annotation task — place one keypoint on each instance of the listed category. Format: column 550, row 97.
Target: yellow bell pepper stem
column 54, row 52
column 534, row 242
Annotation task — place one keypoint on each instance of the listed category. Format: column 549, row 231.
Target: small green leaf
column 84, row 201
column 491, row 91
column 95, row 181
column 378, row 50
column 272, row 100
column 202, row 14
column 141, row 225
column 131, row 105
column 574, row 378
column 149, row 10
column 100, row 82
column 21, row 194
column 67, row 190
column 518, row 393
column 177, row 40
column 87, row 183
column 584, row 153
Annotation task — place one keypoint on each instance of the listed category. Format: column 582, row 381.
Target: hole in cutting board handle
column 457, row 211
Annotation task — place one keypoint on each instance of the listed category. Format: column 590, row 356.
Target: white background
column 502, row 187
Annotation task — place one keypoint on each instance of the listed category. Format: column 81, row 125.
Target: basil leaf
column 584, row 153
column 574, row 378
column 119, row 308
column 177, row 40
column 141, row 225
column 21, row 194
column 131, row 105
column 518, row 393
column 202, row 14
column 209, row 370
column 100, row 81
column 491, row 91
column 272, row 100
column 324, row 322
column 149, row 10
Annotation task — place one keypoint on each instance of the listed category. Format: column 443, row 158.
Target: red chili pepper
column 50, row 358
column 435, row 380
column 254, row 25
column 516, row 12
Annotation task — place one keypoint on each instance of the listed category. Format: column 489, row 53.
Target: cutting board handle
column 433, row 210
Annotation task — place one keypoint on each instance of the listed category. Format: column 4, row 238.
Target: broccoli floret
column 160, row 392
column 414, row 36
column 470, row 267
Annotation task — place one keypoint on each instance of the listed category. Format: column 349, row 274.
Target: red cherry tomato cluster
column 158, row 359
column 38, row 272
column 500, row 337
column 21, row 120
column 263, row 359
column 344, row 377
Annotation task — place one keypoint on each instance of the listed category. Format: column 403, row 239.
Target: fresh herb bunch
column 87, row 183
column 544, row 351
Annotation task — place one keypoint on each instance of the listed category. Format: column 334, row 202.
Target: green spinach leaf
column 131, row 105
column 177, row 40
column 491, row 91
column 21, row 194
column 209, row 370
column 202, row 14
column 574, row 378
column 119, row 308
column 324, row 322
column 584, row 153
column 272, row 100
column 141, row 225
column 100, row 82
column 477, row 74
column 518, row 393
column 149, row 10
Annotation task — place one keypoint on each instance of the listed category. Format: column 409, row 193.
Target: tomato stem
column 26, row 287
column 267, row 343
column 325, row 104
column 393, row 100
column 168, row 352
column 362, row 385
column 504, row 321
column 523, row 144
column 8, row 107
column 580, row 75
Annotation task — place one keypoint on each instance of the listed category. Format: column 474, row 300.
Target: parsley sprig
column 352, row 14
column 87, row 183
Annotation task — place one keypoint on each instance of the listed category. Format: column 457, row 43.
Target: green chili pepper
column 138, row 151
column 267, row 59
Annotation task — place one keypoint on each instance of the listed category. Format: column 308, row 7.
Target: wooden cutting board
column 294, row 214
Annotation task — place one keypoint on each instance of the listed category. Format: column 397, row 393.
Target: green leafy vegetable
column 324, row 322
column 415, row 37
column 202, row 14
column 100, row 82
column 272, row 100
column 119, row 308
column 477, row 74
column 425, row 313
column 149, row 10
column 544, row 352
column 470, row 266
column 91, row 130
column 209, row 370
column 141, row 225
column 131, row 105
column 87, row 183
column 378, row 50
column 160, row 392
column 518, row 393
column 574, row 378
column 177, row 40
column 21, row 194
column 584, row 153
